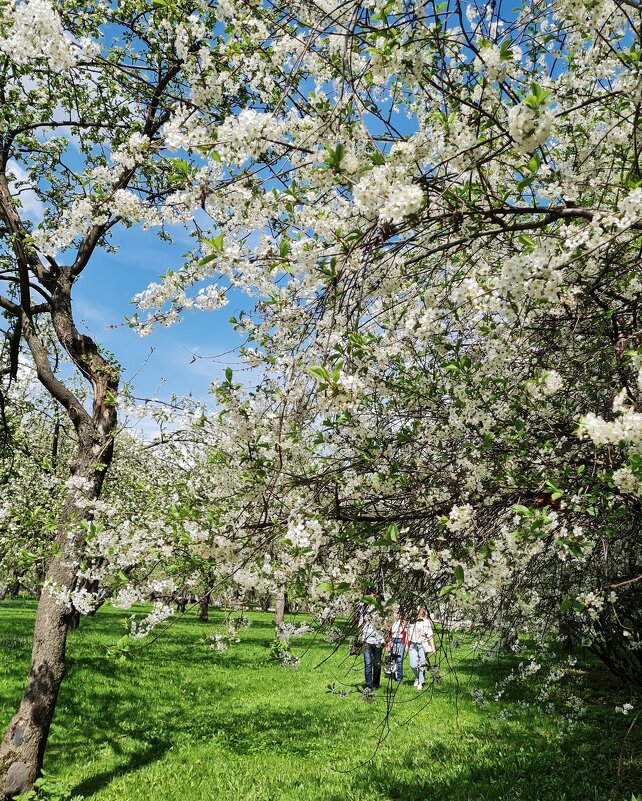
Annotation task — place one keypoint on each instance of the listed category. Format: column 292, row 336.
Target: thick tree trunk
column 203, row 606
column 279, row 607
column 22, row 749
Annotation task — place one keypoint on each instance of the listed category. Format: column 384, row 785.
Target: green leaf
column 459, row 574
column 525, row 240
column 506, row 49
column 284, row 248
column 216, row 243
column 525, row 183
column 319, row 372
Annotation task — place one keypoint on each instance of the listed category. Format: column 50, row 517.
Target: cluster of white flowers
column 381, row 195
column 286, row 631
column 245, row 135
column 131, row 152
column 36, row 32
column 185, row 130
column 83, row 600
column 479, row 697
column 630, row 207
column 79, row 483
column 624, row 709
column 159, row 613
column 548, row 383
column 593, row 603
column 222, row 642
column 126, row 597
column 529, row 128
column 625, row 429
column 126, row 205
column 460, row 517
column 210, row 298
column 297, row 534
column 626, row 481
column 86, row 212
column 494, row 64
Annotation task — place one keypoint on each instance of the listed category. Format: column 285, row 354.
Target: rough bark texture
column 22, row 749
column 23, row 746
column 28, row 272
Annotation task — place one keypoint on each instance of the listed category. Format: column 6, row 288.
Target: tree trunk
column 3, row 592
column 22, row 749
column 279, row 607
column 203, row 606
column 181, row 603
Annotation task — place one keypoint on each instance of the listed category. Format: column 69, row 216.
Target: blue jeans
column 372, row 664
column 399, row 659
column 417, row 657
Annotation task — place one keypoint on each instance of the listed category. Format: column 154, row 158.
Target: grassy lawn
column 182, row 722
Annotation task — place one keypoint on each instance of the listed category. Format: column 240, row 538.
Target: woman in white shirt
column 420, row 643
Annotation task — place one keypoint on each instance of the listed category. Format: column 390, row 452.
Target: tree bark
column 279, row 607
column 22, row 749
column 203, row 606
column 181, row 603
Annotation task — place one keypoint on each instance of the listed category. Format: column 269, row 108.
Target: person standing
column 398, row 644
column 372, row 628
column 420, row 642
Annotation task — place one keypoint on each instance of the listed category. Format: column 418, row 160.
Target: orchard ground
column 180, row 721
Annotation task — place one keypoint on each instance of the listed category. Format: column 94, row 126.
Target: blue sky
column 182, row 359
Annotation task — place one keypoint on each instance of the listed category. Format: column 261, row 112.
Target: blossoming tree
column 443, row 224
column 438, row 207
column 92, row 95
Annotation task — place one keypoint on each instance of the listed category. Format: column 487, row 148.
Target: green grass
column 181, row 722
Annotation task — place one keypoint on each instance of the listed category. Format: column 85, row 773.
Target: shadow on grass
column 150, row 751
column 245, row 734
column 493, row 768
